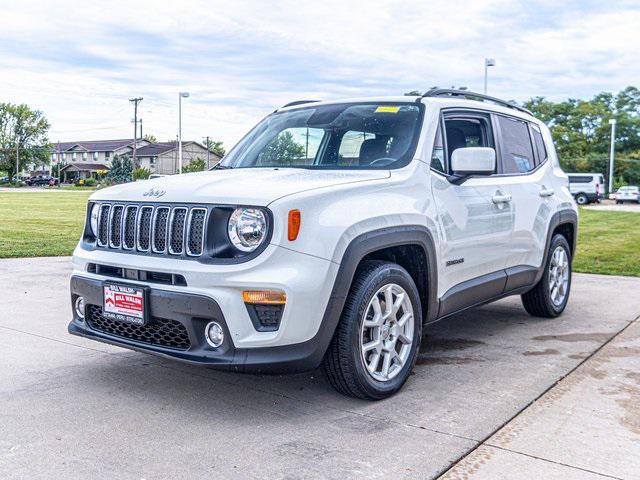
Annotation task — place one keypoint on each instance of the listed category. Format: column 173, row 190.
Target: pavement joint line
column 552, row 386
column 553, row 461
column 301, row 400
column 59, row 341
column 152, row 360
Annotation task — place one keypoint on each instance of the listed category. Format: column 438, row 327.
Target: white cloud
column 80, row 62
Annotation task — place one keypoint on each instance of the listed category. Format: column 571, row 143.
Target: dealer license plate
column 124, row 303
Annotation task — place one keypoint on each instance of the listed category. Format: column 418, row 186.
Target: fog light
column 79, row 306
column 214, row 334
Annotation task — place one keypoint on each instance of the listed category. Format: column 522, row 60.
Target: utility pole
column 135, row 102
column 17, row 156
column 141, row 137
column 206, row 144
column 181, row 95
column 612, row 152
column 488, row 62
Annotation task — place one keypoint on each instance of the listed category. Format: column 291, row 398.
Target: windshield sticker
column 387, row 109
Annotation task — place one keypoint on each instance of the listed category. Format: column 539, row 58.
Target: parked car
column 628, row 194
column 381, row 216
column 41, row 180
column 586, row 187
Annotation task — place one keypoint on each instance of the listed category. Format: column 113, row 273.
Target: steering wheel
column 383, row 161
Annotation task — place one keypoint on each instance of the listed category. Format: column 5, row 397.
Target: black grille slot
column 159, row 331
column 160, row 229
column 144, row 229
column 129, row 229
column 195, row 237
column 103, row 225
column 176, row 239
column 116, row 226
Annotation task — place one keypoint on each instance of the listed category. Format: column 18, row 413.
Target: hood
column 241, row 186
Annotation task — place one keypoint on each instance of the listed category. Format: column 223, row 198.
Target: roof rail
column 449, row 92
column 299, row 102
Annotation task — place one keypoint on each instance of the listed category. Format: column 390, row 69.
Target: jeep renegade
column 331, row 235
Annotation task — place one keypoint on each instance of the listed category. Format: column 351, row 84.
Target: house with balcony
column 83, row 159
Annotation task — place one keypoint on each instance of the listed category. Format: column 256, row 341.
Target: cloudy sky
column 80, row 61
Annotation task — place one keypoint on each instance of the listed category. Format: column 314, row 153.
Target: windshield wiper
column 221, row 167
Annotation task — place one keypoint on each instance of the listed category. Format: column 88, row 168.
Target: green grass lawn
column 608, row 243
column 38, row 224
column 35, row 224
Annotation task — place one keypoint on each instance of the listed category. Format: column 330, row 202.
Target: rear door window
column 516, row 149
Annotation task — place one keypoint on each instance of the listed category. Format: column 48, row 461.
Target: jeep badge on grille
column 154, row 193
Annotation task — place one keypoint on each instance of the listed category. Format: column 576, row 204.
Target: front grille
column 179, row 230
column 159, row 331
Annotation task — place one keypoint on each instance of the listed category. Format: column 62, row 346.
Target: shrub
column 141, row 173
column 90, row 182
column 195, row 165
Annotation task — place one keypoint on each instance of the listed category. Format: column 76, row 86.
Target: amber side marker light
column 294, row 224
column 264, row 297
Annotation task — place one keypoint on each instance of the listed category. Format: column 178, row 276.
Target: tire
column 618, row 202
column 540, row 301
column 582, row 199
column 344, row 362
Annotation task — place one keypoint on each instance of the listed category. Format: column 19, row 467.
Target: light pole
column 181, row 95
column 488, row 62
column 612, row 152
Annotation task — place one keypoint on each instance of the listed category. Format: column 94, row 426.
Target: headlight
column 93, row 219
column 247, row 228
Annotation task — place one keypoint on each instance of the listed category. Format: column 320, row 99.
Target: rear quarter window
column 515, row 145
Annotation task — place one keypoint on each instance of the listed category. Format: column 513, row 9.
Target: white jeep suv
column 331, row 235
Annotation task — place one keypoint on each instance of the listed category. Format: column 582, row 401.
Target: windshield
column 628, row 189
column 341, row 136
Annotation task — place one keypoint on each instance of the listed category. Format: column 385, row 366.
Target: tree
column 217, row 147
column 195, row 165
column 23, row 133
column 121, row 169
column 150, row 138
column 282, row 150
column 582, row 134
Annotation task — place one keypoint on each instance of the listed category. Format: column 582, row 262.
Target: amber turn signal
column 264, row 297
column 294, row 224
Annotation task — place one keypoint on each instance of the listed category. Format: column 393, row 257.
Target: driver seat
column 372, row 149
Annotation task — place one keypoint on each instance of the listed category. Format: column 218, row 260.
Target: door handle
column 501, row 198
column 546, row 192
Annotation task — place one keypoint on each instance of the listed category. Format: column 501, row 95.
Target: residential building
column 162, row 157
column 82, row 159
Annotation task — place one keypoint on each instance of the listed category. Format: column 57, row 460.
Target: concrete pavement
column 72, row 408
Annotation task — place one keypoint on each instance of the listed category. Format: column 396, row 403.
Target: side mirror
column 472, row 161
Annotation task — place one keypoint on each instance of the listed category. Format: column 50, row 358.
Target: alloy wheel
column 559, row 276
column 386, row 332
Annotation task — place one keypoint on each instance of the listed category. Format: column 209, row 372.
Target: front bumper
column 194, row 311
